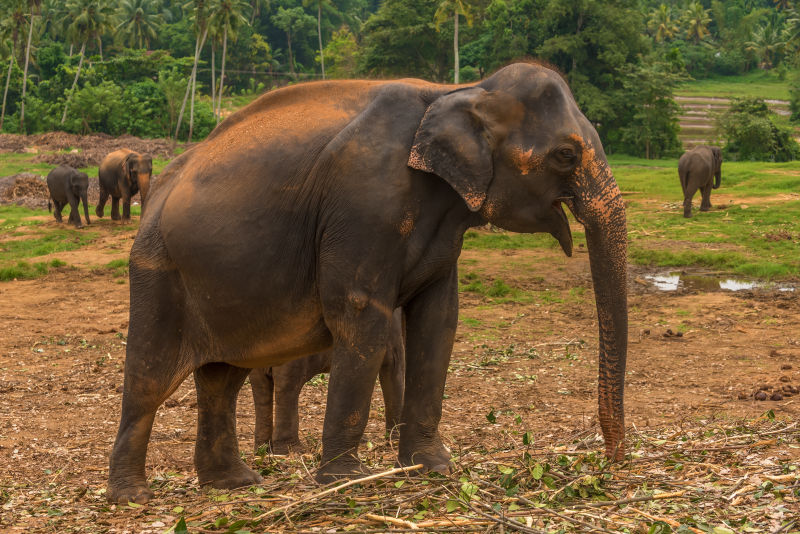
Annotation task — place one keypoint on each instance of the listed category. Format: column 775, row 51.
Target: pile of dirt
column 59, row 148
column 24, row 189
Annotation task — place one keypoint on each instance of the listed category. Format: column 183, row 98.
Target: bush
column 751, row 133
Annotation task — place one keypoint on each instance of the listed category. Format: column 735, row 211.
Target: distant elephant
column 122, row 174
column 696, row 169
column 286, row 381
column 68, row 186
column 307, row 217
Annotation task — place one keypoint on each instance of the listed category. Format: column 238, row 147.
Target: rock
column 785, row 367
column 743, row 396
column 784, row 378
column 761, row 396
column 776, row 396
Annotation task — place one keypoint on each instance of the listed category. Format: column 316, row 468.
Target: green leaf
column 452, row 505
column 491, row 417
column 537, row 472
column 177, row 510
column 527, row 438
column 514, row 507
column 180, row 527
column 399, row 483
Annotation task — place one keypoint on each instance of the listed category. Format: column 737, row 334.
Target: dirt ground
column 693, row 356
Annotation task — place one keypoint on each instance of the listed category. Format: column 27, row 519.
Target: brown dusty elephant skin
column 699, row 168
column 306, row 218
column 68, row 186
column 280, row 386
column 122, row 174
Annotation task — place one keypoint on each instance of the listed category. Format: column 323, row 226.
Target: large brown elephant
column 307, row 217
column 279, row 388
column 699, row 168
column 122, row 174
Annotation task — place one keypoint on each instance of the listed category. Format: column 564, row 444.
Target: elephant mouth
column 560, row 225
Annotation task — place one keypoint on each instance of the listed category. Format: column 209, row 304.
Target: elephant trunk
column 600, row 208
column 717, row 179
column 144, row 188
column 85, row 200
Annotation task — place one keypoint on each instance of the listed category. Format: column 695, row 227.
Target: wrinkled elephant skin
column 306, row 218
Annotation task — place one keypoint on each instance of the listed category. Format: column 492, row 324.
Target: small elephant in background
column 696, row 169
column 68, row 186
column 122, row 174
column 285, row 382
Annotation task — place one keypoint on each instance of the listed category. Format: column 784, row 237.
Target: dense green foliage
column 123, row 67
column 751, row 132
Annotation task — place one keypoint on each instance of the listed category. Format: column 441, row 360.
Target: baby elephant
column 68, row 186
column 285, row 382
column 696, row 169
column 122, row 174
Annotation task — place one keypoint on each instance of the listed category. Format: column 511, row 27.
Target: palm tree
column 661, row 24
column 139, row 23
column 14, row 20
column 319, row 4
column 456, row 8
column 200, row 16
column 292, row 21
column 697, row 20
column 33, row 6
column 255, row 6
column 88, row 20
column 768, row 42
column 228, row 17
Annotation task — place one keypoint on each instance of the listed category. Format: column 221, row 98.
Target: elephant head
column 716, row 153
column 516, row 147
column 79, row 183
column 138, row 168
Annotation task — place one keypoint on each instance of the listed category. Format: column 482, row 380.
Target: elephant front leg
column 74, row 213
column 359, row 347
column 217, row 448
column 263, row 386
column 115, row 209
column 126, row 208
column 431, row 320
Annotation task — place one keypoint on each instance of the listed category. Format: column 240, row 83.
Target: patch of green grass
column 482, row 239
column 118, row 268
column 469, row 321
column 12, row 163
column 758, row 83
column 23, row 270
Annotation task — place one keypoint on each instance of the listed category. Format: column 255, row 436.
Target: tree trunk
column 291, row 58
column 25, row 77
column 74, row 83
column 319, row 34
column 197, row 47
column 213, row 81
column 222, row 72
column 455, row 47
column 5, row 92
column 191, row 105
column 100, row 47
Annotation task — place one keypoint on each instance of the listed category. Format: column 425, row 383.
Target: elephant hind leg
column 691, row 189
column 57, row 207
column 217, row 448
column 263, row 387
column 705, row 204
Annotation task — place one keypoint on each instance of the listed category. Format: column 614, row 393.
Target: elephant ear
column 452, row 142
column 126, row 167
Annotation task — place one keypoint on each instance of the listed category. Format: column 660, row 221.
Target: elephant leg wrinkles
column 217, row 448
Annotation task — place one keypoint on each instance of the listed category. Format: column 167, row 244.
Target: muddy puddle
column 674, row 281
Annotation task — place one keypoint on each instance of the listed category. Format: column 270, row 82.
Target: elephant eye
column 567, row 154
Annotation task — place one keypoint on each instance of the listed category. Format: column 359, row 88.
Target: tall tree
column 697, row 21
column 88, row 19
column 319, row 4
column 199, row 15
column 139, row 21
column 227, row 17
column 292, row 21
column 455, row 8
column 768, row 42
column 33, row 6
column 14, row 19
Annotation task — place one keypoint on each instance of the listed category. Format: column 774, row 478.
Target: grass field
column 762, row 84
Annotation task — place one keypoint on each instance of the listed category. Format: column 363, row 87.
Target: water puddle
column 673, row 281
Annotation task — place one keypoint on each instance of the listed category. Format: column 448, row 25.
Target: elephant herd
column 320, row 227
column 121, row 175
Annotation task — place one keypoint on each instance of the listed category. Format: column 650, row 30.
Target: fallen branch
column 349, row 483
column 643, row 498
column 392, row 521
column 666, row 520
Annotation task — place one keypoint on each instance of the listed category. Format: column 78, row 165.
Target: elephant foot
column 688, row 214
column 229, row 477
column 434, row 459
column 123, row 494
column 115, row 217
column 705, row 208
column 286, row 447
column 346, row 466
column 98, row 212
